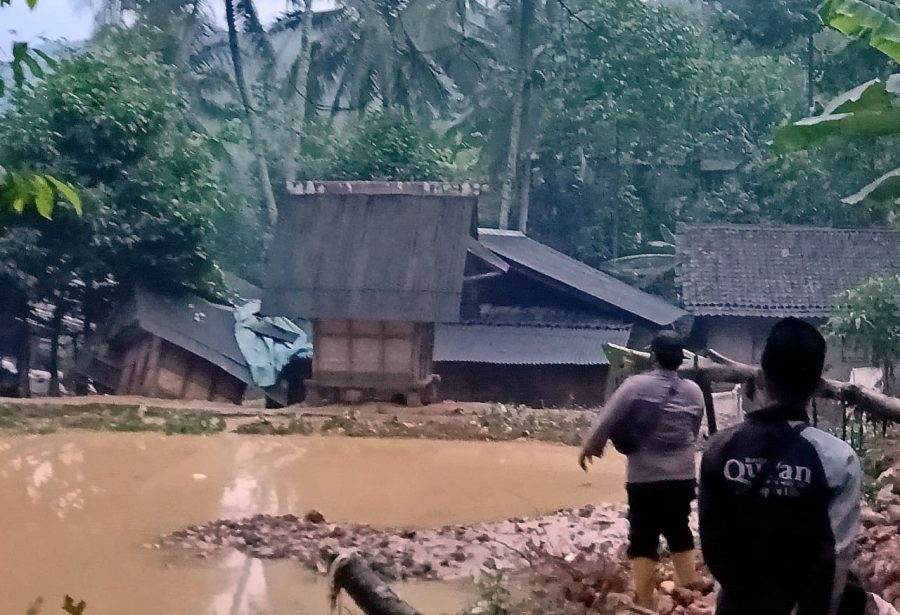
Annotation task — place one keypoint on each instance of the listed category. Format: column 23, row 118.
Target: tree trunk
column 512, row 159
column 372, row 595
column 302, row 95
column 55, row 330
column 525, row 195
column 189, row 32
column 718, row 368
column 888, row 375
column 23, row 352
column 524, row 62
column 617, row 190
column 810, row 84
column 252, row 123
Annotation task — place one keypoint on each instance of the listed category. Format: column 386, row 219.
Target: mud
column 81, row 511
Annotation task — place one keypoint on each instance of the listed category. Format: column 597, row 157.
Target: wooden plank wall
column 153, row 367
column 372, row 353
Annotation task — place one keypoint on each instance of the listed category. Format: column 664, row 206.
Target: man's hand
column 584, row 459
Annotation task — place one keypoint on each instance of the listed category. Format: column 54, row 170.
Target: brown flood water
column 77, row 509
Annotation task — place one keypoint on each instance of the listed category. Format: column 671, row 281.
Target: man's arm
column 844, row 476
column 613, row 412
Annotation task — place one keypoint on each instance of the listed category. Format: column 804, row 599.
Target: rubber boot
column 643, row 570
column 685, row 564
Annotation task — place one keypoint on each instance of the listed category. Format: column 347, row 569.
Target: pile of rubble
column 878, row 562
column 442, row 553
column 597, row 583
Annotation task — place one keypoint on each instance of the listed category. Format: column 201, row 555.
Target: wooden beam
column 718, row 368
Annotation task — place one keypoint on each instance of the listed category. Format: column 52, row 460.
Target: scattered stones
column 445, row 553
column 893, row 513
column 313, row 516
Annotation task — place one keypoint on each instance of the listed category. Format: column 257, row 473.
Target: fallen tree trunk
column 718, row 368
column 351, row 574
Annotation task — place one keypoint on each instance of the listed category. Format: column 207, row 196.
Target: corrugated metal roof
column 390, row 257
column 197, row 325
column 585, row 281
column 744, row 270
column 524, row 345
column 544, row 316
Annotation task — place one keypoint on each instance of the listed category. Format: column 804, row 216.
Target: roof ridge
column 502, row 232
column 786, row 228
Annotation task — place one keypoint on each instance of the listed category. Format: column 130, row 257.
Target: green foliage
column 805, row 186
column 778, row 26
column 495, row 597
column 194, row 423
column 869, row 110
column 388, row 145
column 19, row 190
column 264, row 426
column 114, row 125
column 868, row 317
column 22, row 58
column 878, row 21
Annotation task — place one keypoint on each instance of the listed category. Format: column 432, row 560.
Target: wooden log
column 719, row 368
column 349, row 573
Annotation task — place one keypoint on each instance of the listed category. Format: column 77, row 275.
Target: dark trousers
column 656, row 508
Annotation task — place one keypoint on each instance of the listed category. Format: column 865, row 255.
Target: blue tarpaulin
column 268, row 343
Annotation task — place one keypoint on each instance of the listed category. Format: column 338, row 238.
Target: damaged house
column 177, row 345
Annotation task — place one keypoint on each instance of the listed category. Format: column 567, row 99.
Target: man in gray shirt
column 661, row 477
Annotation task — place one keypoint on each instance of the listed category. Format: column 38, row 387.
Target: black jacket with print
column 781, row 545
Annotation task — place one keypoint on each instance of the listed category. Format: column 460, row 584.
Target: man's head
column 667, row 349
column 792, row 361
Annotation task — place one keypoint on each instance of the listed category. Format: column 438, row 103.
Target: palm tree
column 256, row 142
column 399, row 53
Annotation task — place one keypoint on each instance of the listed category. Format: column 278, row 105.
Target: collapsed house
column 737, row 280
column 176, row 345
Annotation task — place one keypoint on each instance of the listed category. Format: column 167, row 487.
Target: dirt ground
column 447, row 420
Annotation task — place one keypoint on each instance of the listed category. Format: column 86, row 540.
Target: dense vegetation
column 594, row 122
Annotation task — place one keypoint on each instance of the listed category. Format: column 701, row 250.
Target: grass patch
column 194, row 423
column 296, row 426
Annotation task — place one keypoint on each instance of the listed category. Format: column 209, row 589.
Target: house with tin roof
column 737, row 280
column 534, row 332
column 409, row 299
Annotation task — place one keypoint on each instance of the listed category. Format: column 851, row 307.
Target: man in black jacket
column 780, row 500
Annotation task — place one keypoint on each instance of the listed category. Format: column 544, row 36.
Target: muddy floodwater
column 79, row 511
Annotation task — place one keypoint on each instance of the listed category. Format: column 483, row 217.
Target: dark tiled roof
column 524, row 345
column 578, row 278
column 734, row 270
column 384, row 257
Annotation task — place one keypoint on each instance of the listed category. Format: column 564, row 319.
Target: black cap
column 667, row 342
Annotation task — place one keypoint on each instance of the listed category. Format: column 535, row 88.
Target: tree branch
column 575, row 15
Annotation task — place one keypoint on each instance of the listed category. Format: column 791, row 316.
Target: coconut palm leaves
column 392, row 53
column 645, row 269
column 868, row 110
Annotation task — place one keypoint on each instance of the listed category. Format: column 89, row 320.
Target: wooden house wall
column 155, row 368
column 372, row 354
column 562, row 386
